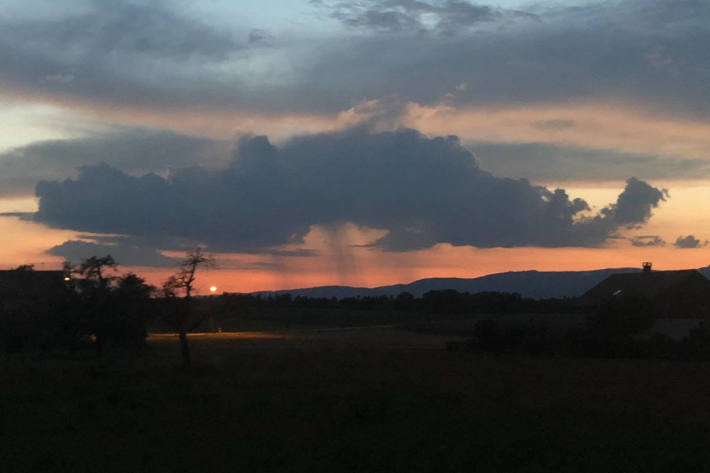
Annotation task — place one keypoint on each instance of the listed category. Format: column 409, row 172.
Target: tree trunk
column 99, row 343
column 185, row 349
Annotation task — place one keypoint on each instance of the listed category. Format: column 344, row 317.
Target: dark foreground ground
column 356, row 400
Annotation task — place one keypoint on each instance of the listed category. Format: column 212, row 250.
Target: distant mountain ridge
column 533, row 284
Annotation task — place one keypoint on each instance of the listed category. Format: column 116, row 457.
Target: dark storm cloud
column 547, row 162
column 123, row 252
column 422, row 191
column 647, row 240
column 689, row 242
column 130, row 150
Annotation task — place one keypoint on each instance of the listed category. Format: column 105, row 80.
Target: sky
column 355, row 142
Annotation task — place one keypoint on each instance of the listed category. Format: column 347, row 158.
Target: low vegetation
column 355, row 400
column 361, row 384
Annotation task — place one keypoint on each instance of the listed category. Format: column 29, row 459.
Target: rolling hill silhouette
column 534, row 284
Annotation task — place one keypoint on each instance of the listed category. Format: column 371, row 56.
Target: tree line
column 94, row 307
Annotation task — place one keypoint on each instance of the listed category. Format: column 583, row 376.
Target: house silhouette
column 673, row 294
column 26, row 287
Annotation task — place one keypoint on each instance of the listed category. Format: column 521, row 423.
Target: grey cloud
column 25, row 216
column 551, row 125
column 135, row 151
column 259, row 36
column 447, row 16
column 647, row 240
column 298, row 253
column 422, row 190
column 632, row 207
column 605, row 52
column 104, row 54
column 259, row 266
column 689, row 242
column 107, row 28
column 123, row 252
column 651, row 53
column 541, row 162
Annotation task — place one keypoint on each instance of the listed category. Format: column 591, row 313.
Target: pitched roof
column 683, row 293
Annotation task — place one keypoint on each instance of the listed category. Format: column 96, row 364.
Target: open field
column 376, row 399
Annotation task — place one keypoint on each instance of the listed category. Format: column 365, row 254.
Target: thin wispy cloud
column 647, row 241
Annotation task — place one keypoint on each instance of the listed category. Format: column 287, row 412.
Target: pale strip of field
column 375, row 336
column 219, row 335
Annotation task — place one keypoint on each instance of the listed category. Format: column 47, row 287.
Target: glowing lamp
column 213, row 289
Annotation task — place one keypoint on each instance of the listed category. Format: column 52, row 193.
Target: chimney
column 647, row 266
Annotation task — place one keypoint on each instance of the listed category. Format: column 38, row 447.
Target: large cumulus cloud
column 139, row 151
column 422, row 190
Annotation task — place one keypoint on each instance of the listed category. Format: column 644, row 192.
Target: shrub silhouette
column 487, row 334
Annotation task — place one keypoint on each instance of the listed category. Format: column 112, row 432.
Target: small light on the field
column 67, row 278
column 213, row 289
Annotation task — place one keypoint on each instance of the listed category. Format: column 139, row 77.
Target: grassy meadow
column 377, row 399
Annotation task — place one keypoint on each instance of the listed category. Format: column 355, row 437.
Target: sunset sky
column 355, row 142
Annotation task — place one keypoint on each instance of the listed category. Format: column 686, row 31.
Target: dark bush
column 697, row 345
column 487, row 334
column 20, row 330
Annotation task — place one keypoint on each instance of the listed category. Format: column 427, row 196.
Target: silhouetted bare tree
column 183, row 281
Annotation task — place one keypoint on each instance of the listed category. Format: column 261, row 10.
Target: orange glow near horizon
column 442, row 261
column 342, row 260
column 370, row 267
